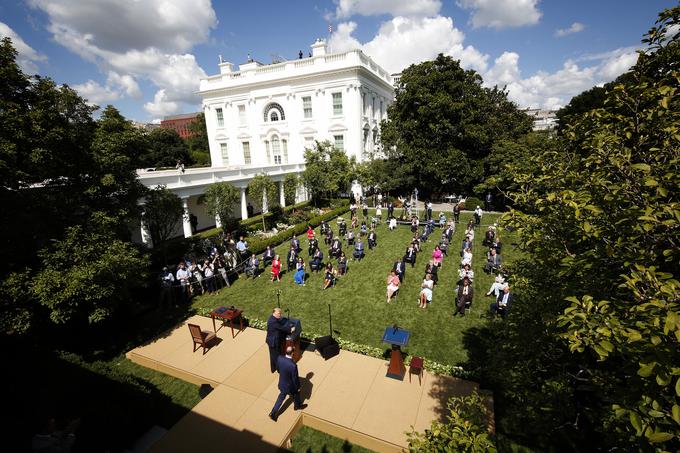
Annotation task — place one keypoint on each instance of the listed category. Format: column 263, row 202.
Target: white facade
column 261, row 118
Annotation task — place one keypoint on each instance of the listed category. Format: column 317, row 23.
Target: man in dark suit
column 313, row 246
column 358, row 249
column 372, row 239
column 268, row 256
column 464, row 296
column 390, row 210
column 317, row 260
column 493, row 263
column 291, row 259
column 289, row 384
column 502, row 304
column 276, row 335
column 400, row 269
column 410, row 256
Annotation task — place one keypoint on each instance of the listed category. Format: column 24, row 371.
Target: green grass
column 360, row 312
column 308, row 440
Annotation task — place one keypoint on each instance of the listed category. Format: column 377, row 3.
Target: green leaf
column 646, row 369
column 660, row 437
column 643, row 167
column 676, row 413
column 607, row 346
column 677, row 387
column 636, row 422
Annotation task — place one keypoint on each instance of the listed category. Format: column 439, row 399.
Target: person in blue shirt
column 358, row 249
column 289, row 383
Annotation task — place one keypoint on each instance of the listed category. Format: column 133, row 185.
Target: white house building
column 260, row 118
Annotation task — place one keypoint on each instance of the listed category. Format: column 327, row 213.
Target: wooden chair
column 201, row 337
column 416, row 366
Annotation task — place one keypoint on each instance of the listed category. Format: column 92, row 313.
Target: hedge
column 259, row 245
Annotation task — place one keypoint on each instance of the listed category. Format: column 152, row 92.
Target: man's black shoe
column 299, row 408
column 273, row 417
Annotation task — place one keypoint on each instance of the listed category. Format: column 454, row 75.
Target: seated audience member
column 378, row 213
column 437, row 256
column 444, row 245
column 310, row 232
column 268, row 256
column 336, row 248
column 372, row 239
column 470, row 232
column 442, row 220
column 291, row 259
column 503, row 303
column 355, row 222
column 313, row 246
column 364, row 210
column 467, row 244
column 329, row 276
column 414, row 224
column 323, row 228
column 374, row 222
column 295, row 242
column 342, row 228
column 410, row 256
column 467, row 257
column 433, row 270
column 276, row 268
column 358, row 249
column 317, row 260
column 299, row 276
column 416, row 243
column 426, row 291
column 493, row 263
column 489, row 237
column 242, row 248
column 364, row 229
column 425, row 235
column 464, row 295
column 466, row 272
column 329, row 236
column 350, row 238
column 393, row 223
column 393, row 282
column 342, row 264
column 449, row 231
column 497, row 245
column 400, row 269
column 497, row 286
column 252, row 266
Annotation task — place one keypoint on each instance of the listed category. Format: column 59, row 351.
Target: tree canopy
column 263, row 190
column 444, row 123
column 162, row 212
column 220, row 199
column 328, row 170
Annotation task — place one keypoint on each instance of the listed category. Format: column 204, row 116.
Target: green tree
column 165, row 147
column 162, row 212
column 444, row 123
column 199, row 148
column 599, row 221
column 262, row 189
column 86, row 276
column 465, row 428
column 328, row 170
column 290, row 188
column 220, row 199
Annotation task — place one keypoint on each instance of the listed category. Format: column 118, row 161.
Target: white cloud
column 96, row 93
column 576, row 27
column 27, row 56
column 348, row 8
column 502, row 13
column 554, row 90
column 403, row 41
column 132, row 40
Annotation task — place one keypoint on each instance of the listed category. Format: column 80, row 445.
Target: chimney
column 319, row 48
column 225, row 67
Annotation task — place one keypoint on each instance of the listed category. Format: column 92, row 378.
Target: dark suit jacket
column 399, row 267
column 289, row 381
column 276, row 331
column 469, row 296
column 500, row 299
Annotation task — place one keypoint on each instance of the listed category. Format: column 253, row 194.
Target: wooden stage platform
column 348, row 396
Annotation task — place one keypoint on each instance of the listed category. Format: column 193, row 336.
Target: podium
column 397, row 338
column 293, row 339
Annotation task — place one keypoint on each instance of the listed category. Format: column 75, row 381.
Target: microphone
column 395, row 328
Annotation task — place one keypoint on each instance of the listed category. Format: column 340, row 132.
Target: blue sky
column 147, row 57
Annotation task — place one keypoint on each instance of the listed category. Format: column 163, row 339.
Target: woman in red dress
column 310, row 233
column 276, row 268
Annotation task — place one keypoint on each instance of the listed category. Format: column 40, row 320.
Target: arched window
column 274, row 112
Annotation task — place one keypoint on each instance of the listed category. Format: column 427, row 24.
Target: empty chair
column 201, row 337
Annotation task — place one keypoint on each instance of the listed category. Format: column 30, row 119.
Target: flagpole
column 330, row 33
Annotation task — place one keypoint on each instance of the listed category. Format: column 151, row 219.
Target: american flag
column 330, row 29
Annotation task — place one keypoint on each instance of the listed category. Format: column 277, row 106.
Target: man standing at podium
column 289, row 383
column 276, row 335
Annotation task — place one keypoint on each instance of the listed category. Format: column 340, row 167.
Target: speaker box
column 327, row 346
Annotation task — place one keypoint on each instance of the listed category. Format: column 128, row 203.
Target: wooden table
column 227, row 314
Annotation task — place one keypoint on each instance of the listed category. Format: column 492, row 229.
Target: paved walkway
column 348, row 396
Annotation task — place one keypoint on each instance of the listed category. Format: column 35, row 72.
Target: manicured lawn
column 309, row 440
column 360, row 312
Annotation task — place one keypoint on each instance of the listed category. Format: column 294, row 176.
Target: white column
column 218, row 223
column 244, row 204
column 146, row 234
column 186, row 222
column 282, row 196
